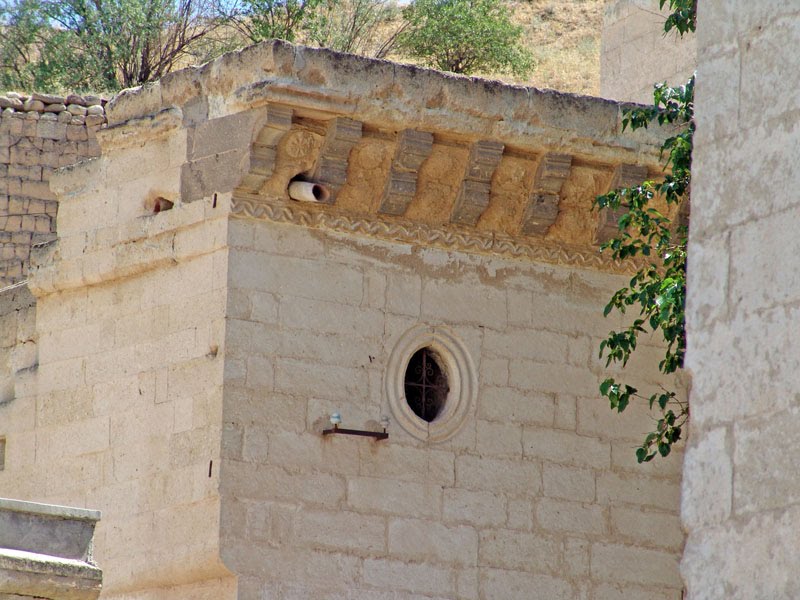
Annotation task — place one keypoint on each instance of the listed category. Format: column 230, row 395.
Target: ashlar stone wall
column 635, row 53
column 537, row 495
column 741, row 488
column 125, row 410
column 188, row 359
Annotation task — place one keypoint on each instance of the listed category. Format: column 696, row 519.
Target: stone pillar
column 46, row 552
column 741, row 487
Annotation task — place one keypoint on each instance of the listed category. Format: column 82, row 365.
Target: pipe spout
column 306, row 191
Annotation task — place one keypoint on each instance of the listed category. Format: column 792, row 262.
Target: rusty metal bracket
column 378, row 435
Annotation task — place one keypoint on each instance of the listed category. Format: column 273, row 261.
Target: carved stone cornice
column 542, row 209
column 446, row 237
column 413, row 147
column 334, row 156
column 625, row 176
column 473, row 197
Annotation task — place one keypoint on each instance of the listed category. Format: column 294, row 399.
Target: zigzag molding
column 416, row 233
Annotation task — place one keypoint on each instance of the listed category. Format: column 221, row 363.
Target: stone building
column 174, row 356
column 181, row 346
column 635, row 52
column 741, row 486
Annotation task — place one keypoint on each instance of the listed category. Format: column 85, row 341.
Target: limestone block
column 431, row 542
column 224, row 134
column 568, row 483
column 508, row 549
column 418, row 578
column 297, row 277
column 328, row 317
column 407, row 463
column 323, row 454
column 454, row 302
column 503, row 475
column 541, row 346
column 269, row 482
column 499, row 439
column 502, row 404
column 521, row 585
column 541, row 377
column 616, row 563
column 613, row 488
column 132, row 103
column 481, row 508
column 648, row 528
column 385, row 496
column 340, row 531
column 574, row 517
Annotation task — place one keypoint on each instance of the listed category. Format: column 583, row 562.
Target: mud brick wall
column 38, row 134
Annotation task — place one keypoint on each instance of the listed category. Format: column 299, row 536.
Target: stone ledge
column 30, row 574
column 50, row 510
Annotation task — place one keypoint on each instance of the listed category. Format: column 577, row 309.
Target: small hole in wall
column 162, row 204
column 426, row 385
column 2, row 453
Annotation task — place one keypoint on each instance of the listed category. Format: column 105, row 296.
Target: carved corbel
column 542, row 209
column 264, row 151
column 413, row 147
column 331, row 166
column 473, row 196
column 624, row 176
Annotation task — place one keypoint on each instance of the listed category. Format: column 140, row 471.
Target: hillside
column 564, row 37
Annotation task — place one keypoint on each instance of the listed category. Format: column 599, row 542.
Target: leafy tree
column 262, row 20
column 658, row 289
column 465, row 36
column 353, row 25
column 98, row 44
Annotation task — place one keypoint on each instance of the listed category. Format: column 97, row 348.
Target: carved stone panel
column 542, row 209
column 413, row 147
column 264, row 151
column 331, row 167
column 473, row 197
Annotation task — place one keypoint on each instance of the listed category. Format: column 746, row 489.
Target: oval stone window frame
column 455, row 360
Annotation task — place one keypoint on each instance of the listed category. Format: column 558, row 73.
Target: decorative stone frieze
column 450, row 238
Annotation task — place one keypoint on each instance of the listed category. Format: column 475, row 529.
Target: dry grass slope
column 564, row 38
